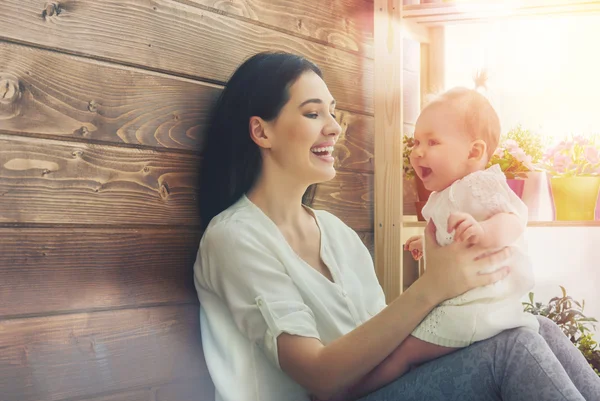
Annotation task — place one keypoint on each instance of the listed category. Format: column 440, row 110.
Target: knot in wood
column 51, row 10
column 83, row 131
column 93, row 106
column 164, row 191
column 9, row 90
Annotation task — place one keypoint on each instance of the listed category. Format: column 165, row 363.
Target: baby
column 455, row 136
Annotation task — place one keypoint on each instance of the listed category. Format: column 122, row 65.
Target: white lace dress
column 485, row 311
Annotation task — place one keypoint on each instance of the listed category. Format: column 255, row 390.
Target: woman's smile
column 324, row 152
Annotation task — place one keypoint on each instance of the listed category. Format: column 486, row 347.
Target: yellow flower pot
column 575, row 197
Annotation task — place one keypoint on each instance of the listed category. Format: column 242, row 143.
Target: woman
column 290, row 304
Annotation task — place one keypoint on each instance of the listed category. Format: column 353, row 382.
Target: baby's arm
column 502, row 229
column 415, row 246
column 506, row 213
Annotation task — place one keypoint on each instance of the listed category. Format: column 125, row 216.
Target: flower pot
column 419, row 205
column 575, row 198
column 423, row 195
column 536, row 195
column 517, row 185
column 422, row 192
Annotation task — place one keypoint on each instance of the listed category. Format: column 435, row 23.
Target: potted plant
column 574, row 169
column 409, row 173
column 568, row 315
column 514, row 163
column 519, row 150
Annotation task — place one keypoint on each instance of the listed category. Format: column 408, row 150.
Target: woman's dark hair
column 231, row 160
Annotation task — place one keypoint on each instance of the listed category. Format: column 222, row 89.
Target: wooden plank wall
column 102, row 111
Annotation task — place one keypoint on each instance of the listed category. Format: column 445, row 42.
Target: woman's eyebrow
column 318, row 101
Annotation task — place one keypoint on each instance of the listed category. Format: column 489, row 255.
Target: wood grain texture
column 133, row 395
column 389, row 100
column 79, row 98
column 46, row 181
column 350, row 197
column 436, row 64
column 354, row 149
column 79, row 355
column 44, row 270
column 346, row 24
column 368, row 239
column 196, row 389
column 73, row 97
column 178, row 38
column 447, row 13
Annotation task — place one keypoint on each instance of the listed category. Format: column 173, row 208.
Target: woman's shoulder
column 334, row 227
column 328, row 217
column 333, row 222
column 235, row 223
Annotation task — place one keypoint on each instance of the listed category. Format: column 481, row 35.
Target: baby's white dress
column 485, row 311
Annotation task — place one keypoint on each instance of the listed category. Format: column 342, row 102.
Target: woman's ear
column 478, row 150
column 258, row 133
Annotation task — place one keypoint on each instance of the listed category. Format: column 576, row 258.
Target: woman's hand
column 454, row 269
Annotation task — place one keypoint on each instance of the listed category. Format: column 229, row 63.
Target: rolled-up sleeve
column 237, row 263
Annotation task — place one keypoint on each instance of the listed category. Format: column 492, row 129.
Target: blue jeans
column 516, row 365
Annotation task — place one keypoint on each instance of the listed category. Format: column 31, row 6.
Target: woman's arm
column 327, row 370
column 386, row 372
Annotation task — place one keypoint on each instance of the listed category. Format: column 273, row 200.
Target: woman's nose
column 333, row 129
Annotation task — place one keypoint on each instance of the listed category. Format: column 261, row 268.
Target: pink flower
column 510, row 145
column 563, row 146
column 592, row 155
column 561, row 162
column 519, row 154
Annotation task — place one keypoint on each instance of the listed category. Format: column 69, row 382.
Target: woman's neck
column 279, row 199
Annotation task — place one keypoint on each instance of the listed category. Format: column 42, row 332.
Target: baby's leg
column 414, row 352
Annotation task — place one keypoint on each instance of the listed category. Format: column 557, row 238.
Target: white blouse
column 252, row 287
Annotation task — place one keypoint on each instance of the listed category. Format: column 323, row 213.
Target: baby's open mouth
column 425, row 172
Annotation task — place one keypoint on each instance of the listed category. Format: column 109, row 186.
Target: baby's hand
column 465, row 228
column 415, row 246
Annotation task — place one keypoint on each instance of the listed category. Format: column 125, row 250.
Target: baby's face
column 441, row 151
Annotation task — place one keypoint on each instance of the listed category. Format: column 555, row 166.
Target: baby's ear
column 478, row 150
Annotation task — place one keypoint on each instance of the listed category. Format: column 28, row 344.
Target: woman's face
column 302, row 137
